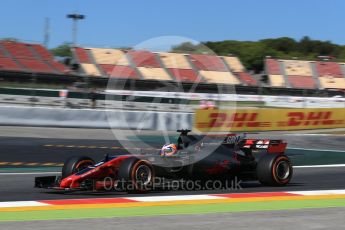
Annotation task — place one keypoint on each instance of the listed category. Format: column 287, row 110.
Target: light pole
column 75, row 18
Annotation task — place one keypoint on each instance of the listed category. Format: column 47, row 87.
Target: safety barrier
column 268, row 119
column 204, row 120
column 92, row 118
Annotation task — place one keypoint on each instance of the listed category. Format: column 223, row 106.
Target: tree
column 124, row 48
column 188, row 47
column 284, row 44
column 253, row 53
column 63, row 50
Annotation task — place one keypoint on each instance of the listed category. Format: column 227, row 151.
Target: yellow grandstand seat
column 219, row 77
column 91, row 69
column 297, row 68
column 154, row 73
column 109, row 56
column 332, row 82
column 277, row 80
column 174, row 60
column 234, row 63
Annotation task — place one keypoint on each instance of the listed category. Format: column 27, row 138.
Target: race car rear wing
column 240, row 141
column 272, row 146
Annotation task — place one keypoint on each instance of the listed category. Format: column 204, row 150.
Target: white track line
column 320, row 166
column 319, row 192
column 174, row 198
column 14, row 204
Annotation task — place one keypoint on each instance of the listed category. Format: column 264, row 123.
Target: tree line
column 253, row 53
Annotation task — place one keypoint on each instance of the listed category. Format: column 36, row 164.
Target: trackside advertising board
column 267, row 119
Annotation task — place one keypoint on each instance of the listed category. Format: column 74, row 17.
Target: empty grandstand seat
column 219, row 77
column 184, row 75
column 154, row 74
column 2, row 55
column 272, row 67
column 277, row 80
column 329, row 69
column 33, row 57
column 36, row 65
column 18, row 50
column 128, row 72
column 332, row 82
column 297, row 68
column 174, row 60
column 234, row 64
column 304, row 82
column 107, row 68
column 119, row 71
column 90, row 69
column 109, row 56
column 247, row 78
column 42, row 52
column 9, row 64
column 81, row 55
column 208, row 62
column 142, row 58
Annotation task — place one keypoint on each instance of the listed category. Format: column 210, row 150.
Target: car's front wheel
column 76, row 164
column 136, row 175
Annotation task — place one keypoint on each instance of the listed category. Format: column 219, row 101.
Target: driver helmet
column 168, row 150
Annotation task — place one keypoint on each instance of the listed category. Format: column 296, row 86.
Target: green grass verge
column 170, row 210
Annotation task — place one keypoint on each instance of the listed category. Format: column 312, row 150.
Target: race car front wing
column 47, row 182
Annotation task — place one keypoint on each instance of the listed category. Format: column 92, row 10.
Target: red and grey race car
column 198, row 158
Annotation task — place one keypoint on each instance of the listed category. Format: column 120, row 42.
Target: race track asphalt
column 44, row 148
column 16, row 187
column 42, row 145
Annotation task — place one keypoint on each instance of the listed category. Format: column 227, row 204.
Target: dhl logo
column 233, row 120
column 266, row 119
column 309, row 118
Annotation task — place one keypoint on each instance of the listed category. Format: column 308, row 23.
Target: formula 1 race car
column 198, row 157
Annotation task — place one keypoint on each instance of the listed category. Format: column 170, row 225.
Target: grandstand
column 145, row 66
column 235, row 65
column 24, row 57
column 163, row 66
column 179, row 67
column 305, row 74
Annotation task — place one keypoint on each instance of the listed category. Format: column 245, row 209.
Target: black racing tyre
column 274, row 170
column 135, row 175
column 75, row 164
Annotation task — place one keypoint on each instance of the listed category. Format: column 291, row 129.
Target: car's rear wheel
column 76, row 164
column 136, row 175
column 274, row 170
